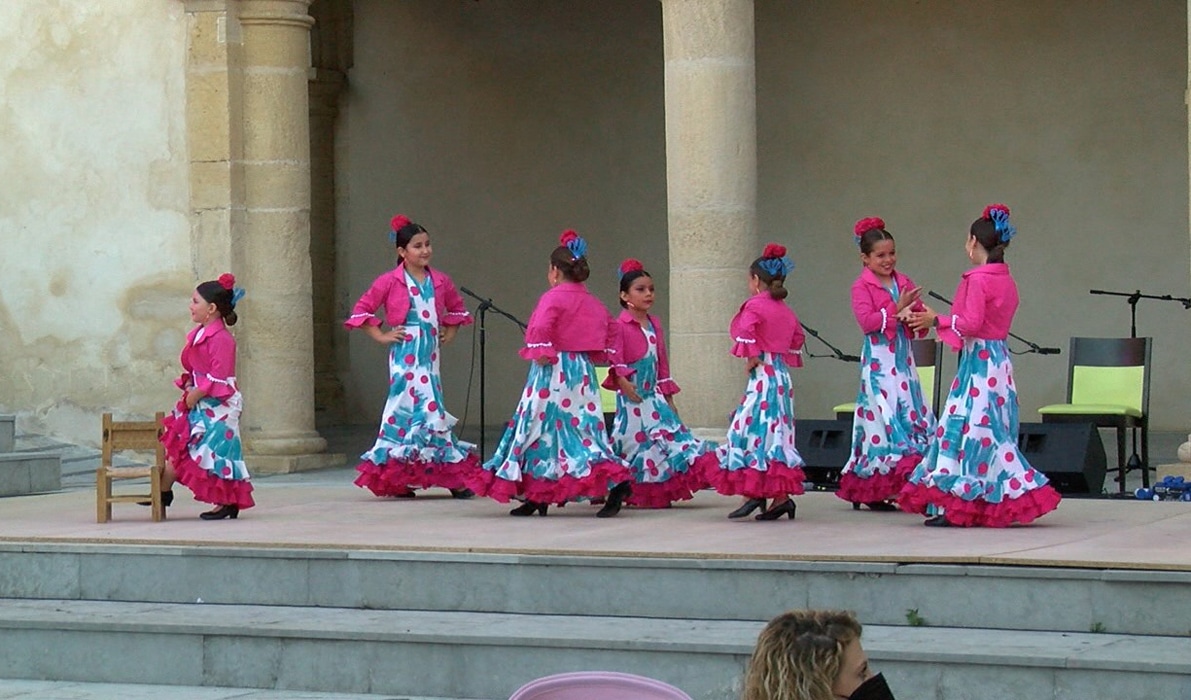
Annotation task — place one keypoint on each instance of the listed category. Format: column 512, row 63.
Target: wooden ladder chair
column 140, row 436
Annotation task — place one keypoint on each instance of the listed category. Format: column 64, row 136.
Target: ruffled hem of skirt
column 779, row 479
column 594, row 485
column 878, row 487
column 205, row 485
column 1022, row 510
column 660, row 494
column 400, row 477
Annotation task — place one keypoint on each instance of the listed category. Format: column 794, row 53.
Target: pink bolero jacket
column 568, row 318
column 389, row 291
column 876, row 309
column 983, row 306
column 765, row 324
column 210, row 361
column 629, row 345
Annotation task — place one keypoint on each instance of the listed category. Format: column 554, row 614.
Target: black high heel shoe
column 749, row 506
column 462, row 494
column 786, row 507
column 167, row 499
column 221, row 512
column 615, row 499
column 937, row 521
column 529, row 508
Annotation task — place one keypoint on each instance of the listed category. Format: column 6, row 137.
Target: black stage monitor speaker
column 825, row 447
column 1071, row 455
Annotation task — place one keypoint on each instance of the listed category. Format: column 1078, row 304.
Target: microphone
column 940, row 297
column 1049, row 351
column 849, row 358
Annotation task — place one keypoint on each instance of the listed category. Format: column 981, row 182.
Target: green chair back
column 607, row 396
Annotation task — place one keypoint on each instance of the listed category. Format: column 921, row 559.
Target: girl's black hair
column 775, row 285
column 213, row 292
column 572, row 268
column 986, row 234
column 626, row 283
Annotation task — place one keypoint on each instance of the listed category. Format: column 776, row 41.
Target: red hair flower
column 398, row 222
column 227, row 280
column 568, row 236
column 773, row 250
column 988, row 211
column 630, row 265
column 867, row 224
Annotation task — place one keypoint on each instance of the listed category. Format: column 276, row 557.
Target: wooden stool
column 141, row 436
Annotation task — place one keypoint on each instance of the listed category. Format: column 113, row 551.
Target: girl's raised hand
column 908, row 297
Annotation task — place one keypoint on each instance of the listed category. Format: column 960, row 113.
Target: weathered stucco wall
column 94, row 237
column 497, row 124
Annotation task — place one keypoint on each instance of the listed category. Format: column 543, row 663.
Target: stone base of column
column 262, row 465
column 287, row 453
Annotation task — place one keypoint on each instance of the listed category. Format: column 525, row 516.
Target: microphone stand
column 482, row 310
column 1034, row 347
column 838, row 354
column 1134, row 463
column 1134, row 297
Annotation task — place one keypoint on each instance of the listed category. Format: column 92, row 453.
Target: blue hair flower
column 1000, row 219
column 574, row 243
column 237, row 295
column 777, row 267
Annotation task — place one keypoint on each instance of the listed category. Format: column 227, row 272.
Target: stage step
column 488, row 655
column 8, row 433
column 23, row 473
column 991, row 597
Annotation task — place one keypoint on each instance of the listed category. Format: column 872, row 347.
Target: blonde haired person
column 812, row 655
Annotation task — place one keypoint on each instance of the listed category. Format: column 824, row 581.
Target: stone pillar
column 276, row 361
column 324, row 110
column 711, row 179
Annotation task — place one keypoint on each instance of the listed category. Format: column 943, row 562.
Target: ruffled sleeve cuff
column 948, row 332
column 358, row 320
column 214, row 387
column 794, row 358
column 183, row 381
column 536, row 351
column 745, row 347
column 668, row 387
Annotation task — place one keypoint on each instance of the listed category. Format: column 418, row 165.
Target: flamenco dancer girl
column 647, row 431
column 414, row 448
column 973, row 474
column 202, row 434
column 555, row 449
column 893, row 425
column 758, row 460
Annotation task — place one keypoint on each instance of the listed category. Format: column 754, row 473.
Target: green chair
column 607, row 399
column 1108, row 385
column 929, row 360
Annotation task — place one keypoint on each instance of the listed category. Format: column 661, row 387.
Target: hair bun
column 773, row 250
column 227, row 280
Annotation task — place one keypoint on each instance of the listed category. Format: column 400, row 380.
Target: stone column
column 711, row 179
column 276, row 361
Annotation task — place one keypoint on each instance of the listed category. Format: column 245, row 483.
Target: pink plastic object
column 597, row 685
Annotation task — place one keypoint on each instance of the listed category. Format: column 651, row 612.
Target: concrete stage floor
column 324, row 510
